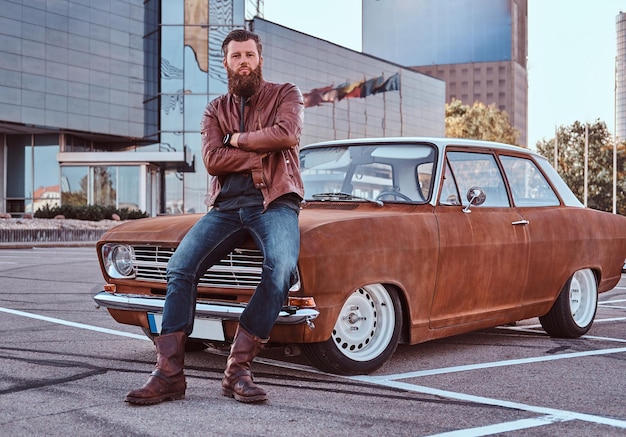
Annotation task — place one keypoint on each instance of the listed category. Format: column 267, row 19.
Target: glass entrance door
column 119, row 186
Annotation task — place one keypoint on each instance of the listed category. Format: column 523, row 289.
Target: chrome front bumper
column 214, row 310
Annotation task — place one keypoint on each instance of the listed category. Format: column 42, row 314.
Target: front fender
column 338, row 257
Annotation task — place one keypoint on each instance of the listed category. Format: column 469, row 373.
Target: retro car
column 403, row 240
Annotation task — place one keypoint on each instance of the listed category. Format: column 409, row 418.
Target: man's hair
column 241, row 35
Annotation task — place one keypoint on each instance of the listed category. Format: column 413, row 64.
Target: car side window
column 424, row 178
column 479, row 170
column 528, row 185
column 449, row 193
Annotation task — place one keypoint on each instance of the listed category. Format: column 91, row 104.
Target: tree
column 571, row 164
column 479, row 122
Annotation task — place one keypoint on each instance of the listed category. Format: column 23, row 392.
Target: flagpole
column 334, row 122
column 556, row 148
column 615, row 139
column 349, row 122
column 384, row 110
column 365, row 112
column 400, row 92
column 365, row 107
column 586, row 160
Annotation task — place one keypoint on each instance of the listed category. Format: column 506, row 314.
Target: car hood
column 166, row 230
column 169, row 230
column 316, row 215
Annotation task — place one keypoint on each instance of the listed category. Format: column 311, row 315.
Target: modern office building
column 478, row 47
column 620, row 78
column 101, row 101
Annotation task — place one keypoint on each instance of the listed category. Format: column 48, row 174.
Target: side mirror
column 475, row 196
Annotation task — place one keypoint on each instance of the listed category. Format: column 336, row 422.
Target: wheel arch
column 405, row 335
column 573, row 312
column 360, row 343
column 596, row 270
column 597, row 273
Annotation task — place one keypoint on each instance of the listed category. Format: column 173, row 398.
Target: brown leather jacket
column 269, row 147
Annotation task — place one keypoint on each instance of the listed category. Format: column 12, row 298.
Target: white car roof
column 438, row 141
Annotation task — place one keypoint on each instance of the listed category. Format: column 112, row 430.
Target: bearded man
column 250, row 144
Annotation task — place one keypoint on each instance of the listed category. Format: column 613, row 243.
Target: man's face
column 244, row 67
column 242, row 57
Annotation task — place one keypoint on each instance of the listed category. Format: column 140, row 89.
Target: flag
column 330, row 96
column 347, row 90
column 370, row 85
column 363, row 88
column 391, row 84
column 316, row 96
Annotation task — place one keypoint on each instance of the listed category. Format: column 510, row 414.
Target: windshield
column 375, row 172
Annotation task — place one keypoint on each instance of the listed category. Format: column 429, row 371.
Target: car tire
column 575, row 308
column 190, row 345
column 365, row 335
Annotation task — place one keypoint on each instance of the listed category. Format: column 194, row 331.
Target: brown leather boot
column 237, row 382
column 167, row 381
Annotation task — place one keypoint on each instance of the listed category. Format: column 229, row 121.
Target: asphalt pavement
column 65, row 367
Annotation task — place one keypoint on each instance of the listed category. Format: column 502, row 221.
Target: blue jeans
column 277, row 236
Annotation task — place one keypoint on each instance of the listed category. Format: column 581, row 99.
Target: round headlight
column 118, row 260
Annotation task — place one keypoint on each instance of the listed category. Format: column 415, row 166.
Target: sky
column 571, row 53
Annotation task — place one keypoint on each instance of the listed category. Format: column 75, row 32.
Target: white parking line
column 73, row 324
column 504, row 363
column 548, row 415
column 537, row 328
column 562, row 415
column 595, row 337
column 612, row 301
column 503, row 427
column 610, row 304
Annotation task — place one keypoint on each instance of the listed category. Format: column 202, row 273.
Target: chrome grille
column 241, row 268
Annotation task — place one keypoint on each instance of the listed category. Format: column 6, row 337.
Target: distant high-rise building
column 620, row 78
column 478, row 47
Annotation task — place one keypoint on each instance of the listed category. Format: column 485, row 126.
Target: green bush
column 88, row 212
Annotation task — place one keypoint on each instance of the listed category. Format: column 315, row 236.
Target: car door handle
column 520, row 222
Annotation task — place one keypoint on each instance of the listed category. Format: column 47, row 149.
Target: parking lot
column 65, row 367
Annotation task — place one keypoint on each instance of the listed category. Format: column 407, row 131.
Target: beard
column 244, row 85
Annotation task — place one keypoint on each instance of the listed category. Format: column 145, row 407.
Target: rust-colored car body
column 446, row 266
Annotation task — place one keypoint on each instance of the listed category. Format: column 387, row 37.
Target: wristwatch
column 226, row 140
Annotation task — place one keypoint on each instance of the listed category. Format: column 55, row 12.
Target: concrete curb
column 33, row 244
column 30, row 238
